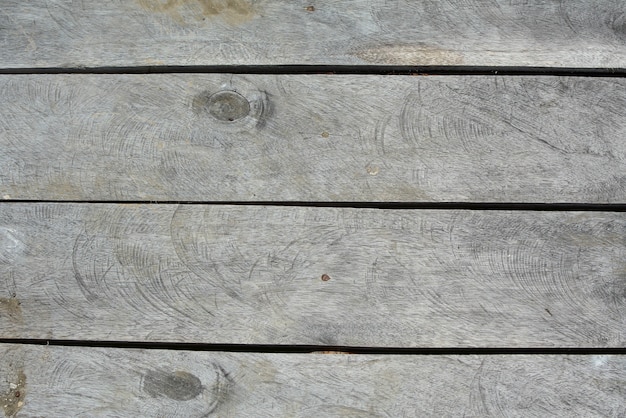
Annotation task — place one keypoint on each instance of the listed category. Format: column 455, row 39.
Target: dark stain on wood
column 13, row 399
column 233, row 12
column 179, row 385
column 11, row 308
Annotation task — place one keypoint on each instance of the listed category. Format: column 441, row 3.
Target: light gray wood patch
column 328, row 276
column 66, row 381
column 223, row 137
column 69, row 33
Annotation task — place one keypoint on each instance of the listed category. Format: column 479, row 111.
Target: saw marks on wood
column 76, row 381
column 91, row 33
column 219, row 137
column 134, row 102
column 321, row 276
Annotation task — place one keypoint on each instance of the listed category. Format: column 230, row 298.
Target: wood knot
column 325, row 277
column 179, row 385
column 207, row 390
column 228, row 106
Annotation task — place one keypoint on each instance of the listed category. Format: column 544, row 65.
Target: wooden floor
column 286, row 208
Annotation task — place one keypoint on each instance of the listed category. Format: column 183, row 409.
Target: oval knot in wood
column 179, row 385
column 228, row 106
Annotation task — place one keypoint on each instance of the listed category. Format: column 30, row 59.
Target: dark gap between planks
column 272, row 348
column 329, row 69
column 510, row 206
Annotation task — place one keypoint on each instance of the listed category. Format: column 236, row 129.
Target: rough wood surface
column 66, row 381
column 313, row 138
column 70, row 33
column 253, row 274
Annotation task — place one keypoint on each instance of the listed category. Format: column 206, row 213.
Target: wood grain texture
column 66, row 381
column 70, row 33
column 255, row 275
column 223, row 137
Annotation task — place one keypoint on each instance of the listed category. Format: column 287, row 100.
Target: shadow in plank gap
column 423, row 70
column 92, row 381
column 552, row 207
column 324, row 349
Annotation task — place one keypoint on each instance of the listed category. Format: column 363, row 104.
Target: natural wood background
column 250, row 274
column 70, row 33
column 313, row 138
column 253, row 275
column 71, row 381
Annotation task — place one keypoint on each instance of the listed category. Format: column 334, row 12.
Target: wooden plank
column 293, row 275
column 69, row 33
column 72, row 381
column 313, row 138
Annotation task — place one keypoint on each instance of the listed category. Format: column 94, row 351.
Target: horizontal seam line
column 510, row 206
column 328, row 69
column 303, row 349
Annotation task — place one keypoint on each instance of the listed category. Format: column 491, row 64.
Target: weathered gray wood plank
column 66, row 381
column 69, row 33
column 313, row 138
column 253, row 274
